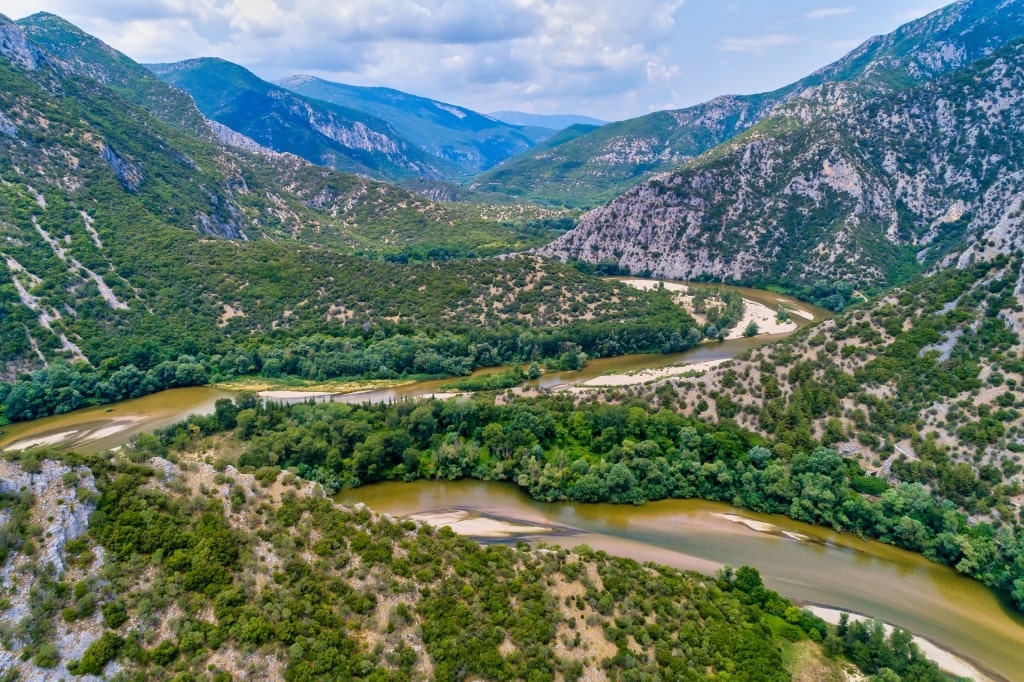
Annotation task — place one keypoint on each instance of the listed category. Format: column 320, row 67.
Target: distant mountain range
column 551, row 121
column 323, row 133
column 592, row 169
column 468, row 141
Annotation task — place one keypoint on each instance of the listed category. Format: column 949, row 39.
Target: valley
column 262, row 334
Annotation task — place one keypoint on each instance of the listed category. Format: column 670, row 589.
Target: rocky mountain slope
column 467, row 141
column 595, row 168
column 865, row 195
column 322, row 133
column 78, row 52
column 124, row 241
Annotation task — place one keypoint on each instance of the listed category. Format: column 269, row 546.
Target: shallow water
column 899, row 587
column 94, row 429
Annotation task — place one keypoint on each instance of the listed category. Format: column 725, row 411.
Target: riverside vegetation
column 144, row 247
column 558, row 449
column 193, row 572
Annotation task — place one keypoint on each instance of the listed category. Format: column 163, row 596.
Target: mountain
column 866, row 195
column 595, row 168
column 551, row 121
column 128, row 245
column 85, row 55
column 322, row 133
column 458, row 136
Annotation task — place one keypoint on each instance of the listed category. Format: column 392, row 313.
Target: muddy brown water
column 801, row 561
column 95, row 429
column 823, row 567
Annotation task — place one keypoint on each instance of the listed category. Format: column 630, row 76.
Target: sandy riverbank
column 294, row 395
column 760, row 314
column 81, row 436
column 947, row 660
column 466, row 523
column 764, row 317
column 648, row 284
column 645, row 375
column 792, row 310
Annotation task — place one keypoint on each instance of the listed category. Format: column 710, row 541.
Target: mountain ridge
column 593, row 169
column 863, row 194
column 469, row 141
column 320, row 132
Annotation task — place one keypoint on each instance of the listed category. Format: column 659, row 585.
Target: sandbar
column 51, row 439
column 759, row 526
column 793, row 310
column 764, row 317
column 466, row 523
column 645, row 375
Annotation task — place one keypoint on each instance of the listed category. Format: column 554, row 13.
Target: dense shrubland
column 209, row 574
column 922, row 385
column 627, row 454
column 366, row 320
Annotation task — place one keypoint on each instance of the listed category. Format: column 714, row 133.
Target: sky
column 610, row 59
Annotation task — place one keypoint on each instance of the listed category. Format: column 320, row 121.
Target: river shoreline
column 947, row 661
column 484, row 526
column 805, row 563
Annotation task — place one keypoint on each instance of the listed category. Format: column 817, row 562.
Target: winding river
column 803, row 562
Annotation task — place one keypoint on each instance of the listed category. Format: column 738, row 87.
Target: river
column 801, row 561
column 836, row 570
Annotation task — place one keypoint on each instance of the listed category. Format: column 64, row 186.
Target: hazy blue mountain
column 469, row 141
column 553, row 121
column 318, row 131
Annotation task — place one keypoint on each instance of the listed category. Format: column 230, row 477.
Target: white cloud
column 829, row 12
column 607, row 58
column 757, row 44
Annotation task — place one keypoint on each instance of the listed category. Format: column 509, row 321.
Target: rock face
column 855, row 196
column 127, row 173
column 592, row 168
column 57, row 509
column 281, row 120
column 62, row 498
column 16, row 47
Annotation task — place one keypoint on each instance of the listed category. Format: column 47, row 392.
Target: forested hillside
column 189, row 571
column 129, row 245
column 921, row 386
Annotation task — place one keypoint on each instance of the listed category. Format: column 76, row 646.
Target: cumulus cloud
column 606, row 58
